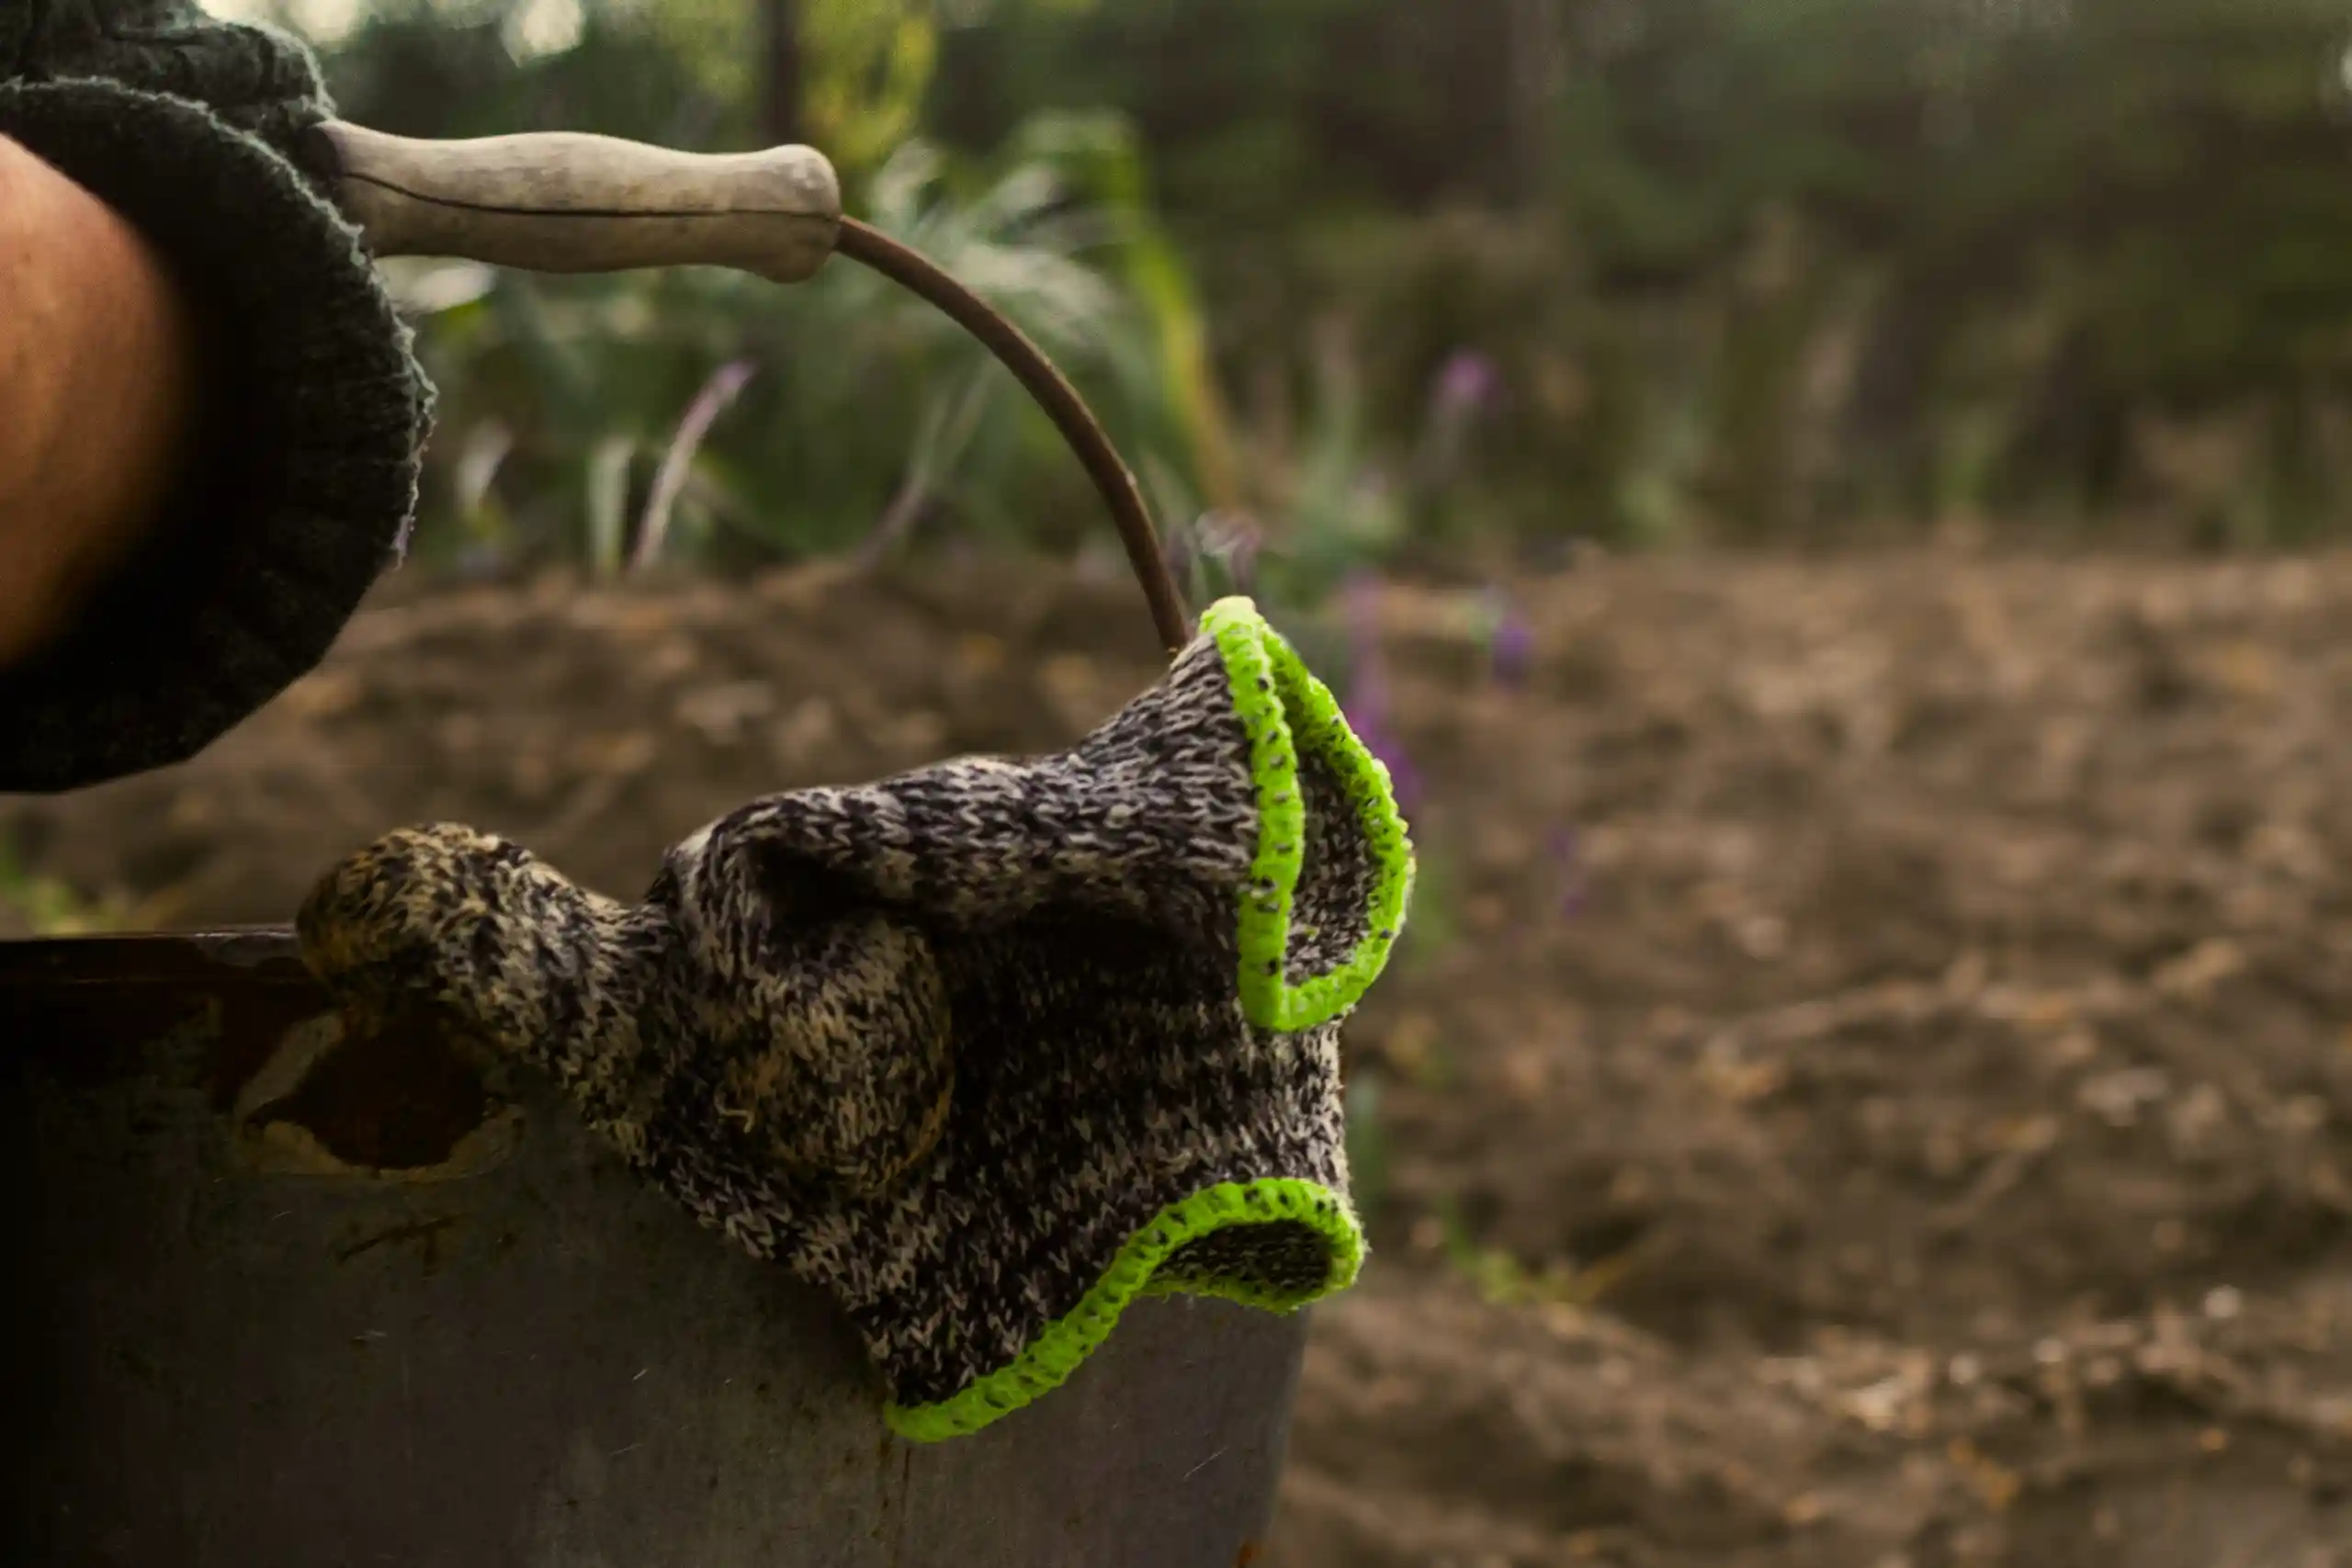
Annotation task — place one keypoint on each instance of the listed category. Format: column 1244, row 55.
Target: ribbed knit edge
column 306, row 490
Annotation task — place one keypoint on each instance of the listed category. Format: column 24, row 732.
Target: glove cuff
column 306, row 492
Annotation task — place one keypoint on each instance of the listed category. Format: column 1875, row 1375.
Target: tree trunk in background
column 780, row 119
column 1539, row 46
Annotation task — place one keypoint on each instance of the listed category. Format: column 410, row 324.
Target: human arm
column 97, row 393
column 298, row 489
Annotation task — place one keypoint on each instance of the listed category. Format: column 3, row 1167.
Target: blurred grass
column 43, row 906
column 1503, row 1279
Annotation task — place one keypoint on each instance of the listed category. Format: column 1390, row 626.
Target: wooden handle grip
column 562, row 201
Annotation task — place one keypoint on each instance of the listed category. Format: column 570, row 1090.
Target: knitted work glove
column 986, row 1050
column 317, row 411
column 256, row 80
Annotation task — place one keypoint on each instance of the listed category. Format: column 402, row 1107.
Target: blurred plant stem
column 781, row 120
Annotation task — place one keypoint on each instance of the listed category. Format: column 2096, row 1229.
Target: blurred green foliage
column 1360, row 278
column 562, row 397
column 1757, row 268
column 857, row 413
column 34, row 905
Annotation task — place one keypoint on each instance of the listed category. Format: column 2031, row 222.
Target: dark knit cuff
column 316, row 413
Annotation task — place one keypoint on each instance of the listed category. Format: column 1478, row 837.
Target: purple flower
column 1510, row 643
column 1404, row 779
column 1564, row 855
column 1467, row 382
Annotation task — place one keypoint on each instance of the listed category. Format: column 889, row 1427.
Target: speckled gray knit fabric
column 316, row 409
column 945, row 1043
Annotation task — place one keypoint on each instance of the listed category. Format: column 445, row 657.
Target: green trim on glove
column 1059, row 1350
column 1288, row 712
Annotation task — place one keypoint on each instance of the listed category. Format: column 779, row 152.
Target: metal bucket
column 281, row 1300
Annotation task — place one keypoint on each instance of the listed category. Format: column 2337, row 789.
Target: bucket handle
column 570, row 202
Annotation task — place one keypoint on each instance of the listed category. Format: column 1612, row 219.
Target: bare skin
column 97, row 394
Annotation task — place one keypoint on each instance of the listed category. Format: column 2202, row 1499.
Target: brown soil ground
column 1913, row 1128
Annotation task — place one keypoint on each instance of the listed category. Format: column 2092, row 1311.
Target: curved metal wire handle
column 567, row 202
column 1061, row 402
